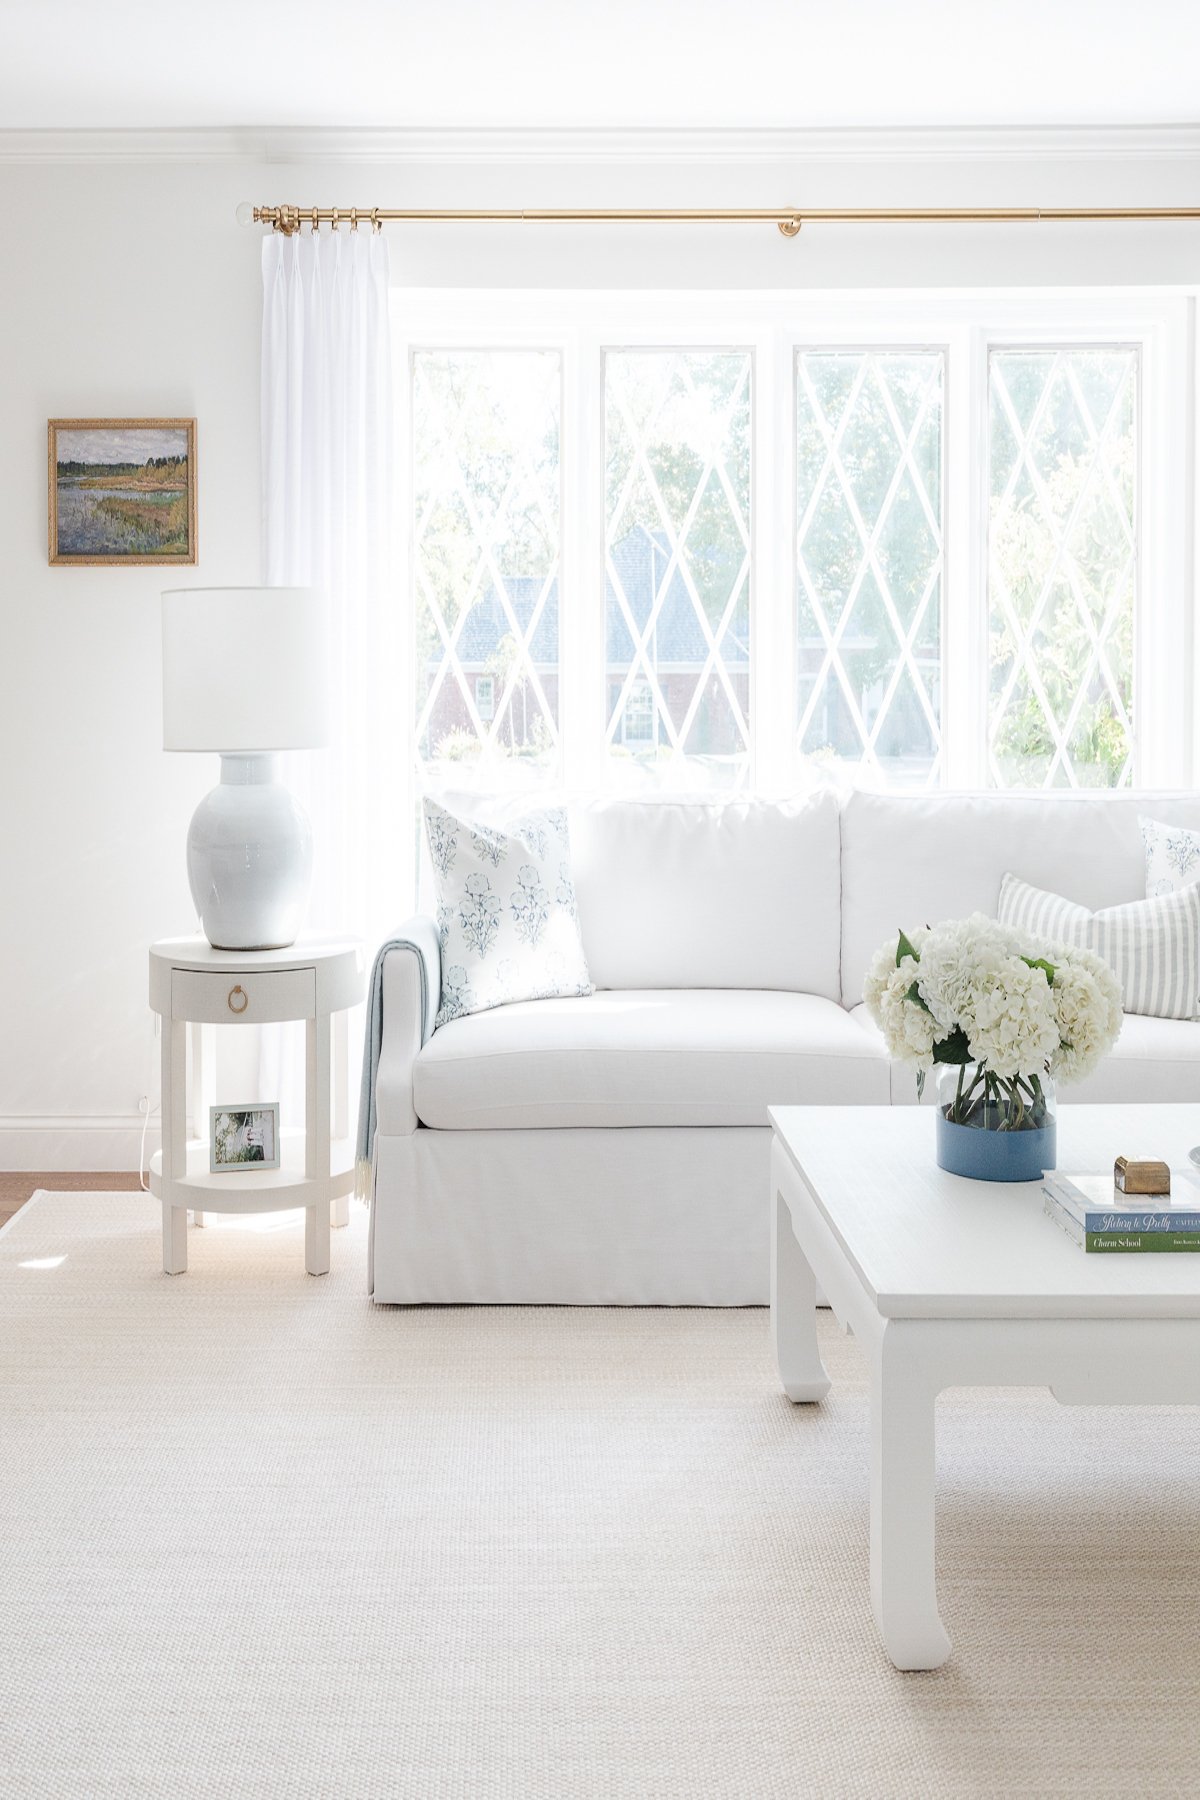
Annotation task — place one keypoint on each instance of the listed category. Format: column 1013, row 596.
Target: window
column 638, row 718
column 1062, row 565
column 869, row 559
column 749, row 540
column 485, row 542
column 677, row 558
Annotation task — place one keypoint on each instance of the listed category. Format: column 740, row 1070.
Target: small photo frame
column 243, row 1138
column 122, row 491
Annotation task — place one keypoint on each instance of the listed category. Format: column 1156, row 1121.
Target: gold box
column 1141, row 1177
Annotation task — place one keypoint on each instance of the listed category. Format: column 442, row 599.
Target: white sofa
column 615, row 1149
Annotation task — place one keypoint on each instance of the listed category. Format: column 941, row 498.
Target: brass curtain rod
column 289, row 219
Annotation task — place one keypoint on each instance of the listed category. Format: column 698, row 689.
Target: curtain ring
column 354, row 218
column 333, row 217
column 316, row 225
column 375, row 219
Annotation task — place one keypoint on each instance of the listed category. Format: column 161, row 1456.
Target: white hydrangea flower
column 909, row 1030
column 974, row 977
column 961, row 962
column 1087, row 1000
column 1015, row 1025
column 883, row 967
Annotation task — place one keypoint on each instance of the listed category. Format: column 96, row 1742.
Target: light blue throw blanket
column 420, row 936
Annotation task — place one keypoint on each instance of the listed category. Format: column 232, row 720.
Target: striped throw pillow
column 1152, row 946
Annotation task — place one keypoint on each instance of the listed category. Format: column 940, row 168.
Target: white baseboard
column 74, row 1143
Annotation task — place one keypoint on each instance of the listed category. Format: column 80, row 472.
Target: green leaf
column 953, row 1049
column 904, row 948
column 1039, row 962
column 914, row 994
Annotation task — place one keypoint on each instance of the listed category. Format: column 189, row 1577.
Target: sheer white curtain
column 327, row 425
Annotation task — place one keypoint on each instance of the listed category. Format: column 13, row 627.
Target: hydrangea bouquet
column 1010, row 1016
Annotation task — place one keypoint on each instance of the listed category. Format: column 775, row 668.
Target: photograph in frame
column 242, row 1139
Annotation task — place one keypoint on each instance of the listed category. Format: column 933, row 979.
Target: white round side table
column 191, row 984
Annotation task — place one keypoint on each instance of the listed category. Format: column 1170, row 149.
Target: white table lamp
column 245, row 673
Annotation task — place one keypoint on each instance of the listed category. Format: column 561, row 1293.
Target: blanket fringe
column 362, row 1181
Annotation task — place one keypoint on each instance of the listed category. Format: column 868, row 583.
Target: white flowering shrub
column 1007, row 1011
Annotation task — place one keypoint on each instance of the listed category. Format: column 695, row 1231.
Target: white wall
column 127, row 289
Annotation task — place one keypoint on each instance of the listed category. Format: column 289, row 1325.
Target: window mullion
column 964, row 596
column 772, row 766
column 581, row 702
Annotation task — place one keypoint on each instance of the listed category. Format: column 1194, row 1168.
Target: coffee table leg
column 794, row 1311
column 903, row 1586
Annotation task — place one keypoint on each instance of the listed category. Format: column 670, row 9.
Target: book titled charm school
column 1100, row 1219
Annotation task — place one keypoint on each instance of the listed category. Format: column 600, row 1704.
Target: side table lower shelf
column 325, row 1199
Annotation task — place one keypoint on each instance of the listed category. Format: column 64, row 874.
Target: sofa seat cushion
column 678, row 1056
column 1153, row 1059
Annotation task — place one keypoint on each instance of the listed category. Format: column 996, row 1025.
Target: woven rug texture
column 261, row 1537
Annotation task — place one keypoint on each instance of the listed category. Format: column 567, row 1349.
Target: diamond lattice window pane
column 677, row 555
column 869, row 559
column 486, row 560
column 1062, row 565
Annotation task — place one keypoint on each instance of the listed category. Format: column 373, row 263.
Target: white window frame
column 961, row 324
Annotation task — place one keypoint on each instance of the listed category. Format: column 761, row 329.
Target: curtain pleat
column 327, row 474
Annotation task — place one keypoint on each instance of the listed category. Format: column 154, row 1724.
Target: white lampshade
column 245, row 669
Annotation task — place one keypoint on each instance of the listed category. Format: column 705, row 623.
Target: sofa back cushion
column 913, row 859
column 688, row 894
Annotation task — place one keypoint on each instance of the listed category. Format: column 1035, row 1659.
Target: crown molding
column 666, row 145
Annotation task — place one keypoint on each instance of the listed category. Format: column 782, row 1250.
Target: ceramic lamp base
column 249, row 858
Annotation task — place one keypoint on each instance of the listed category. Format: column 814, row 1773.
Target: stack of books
column 1100, row 1218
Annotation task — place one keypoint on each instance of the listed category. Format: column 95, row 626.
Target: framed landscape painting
column 122, row 490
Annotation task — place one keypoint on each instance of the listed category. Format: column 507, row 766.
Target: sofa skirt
column 585, row 1217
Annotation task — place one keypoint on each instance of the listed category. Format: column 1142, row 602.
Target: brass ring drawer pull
column 239, row 999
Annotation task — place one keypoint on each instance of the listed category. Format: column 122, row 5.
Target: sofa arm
column 412, row 993
column 407, row 972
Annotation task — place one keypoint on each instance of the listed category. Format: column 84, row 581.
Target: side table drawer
column 250, row 999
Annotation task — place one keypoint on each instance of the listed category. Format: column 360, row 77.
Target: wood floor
column 17, row 1186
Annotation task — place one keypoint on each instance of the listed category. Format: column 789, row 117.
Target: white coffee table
column 953, row 1283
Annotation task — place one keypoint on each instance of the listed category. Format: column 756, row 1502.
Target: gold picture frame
column 121, row 492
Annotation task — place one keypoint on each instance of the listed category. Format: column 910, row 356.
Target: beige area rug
column 262, row 1538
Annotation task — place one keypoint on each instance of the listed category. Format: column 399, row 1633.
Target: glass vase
column 995, row 1128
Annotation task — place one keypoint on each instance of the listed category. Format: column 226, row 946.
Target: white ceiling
column 554, row 63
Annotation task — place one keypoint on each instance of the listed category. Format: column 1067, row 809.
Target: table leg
column 794, row 1311
column 204, row 1060
column 339, row 1213
column 316, row 1143
column 174, row 1239
column 174, row 1144
column 903, row 1585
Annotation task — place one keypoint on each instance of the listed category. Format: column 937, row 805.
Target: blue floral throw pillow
column 1172, row 857
column 506, row 912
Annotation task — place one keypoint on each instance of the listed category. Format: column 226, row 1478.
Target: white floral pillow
column 506, row 911
column 1172, row 857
